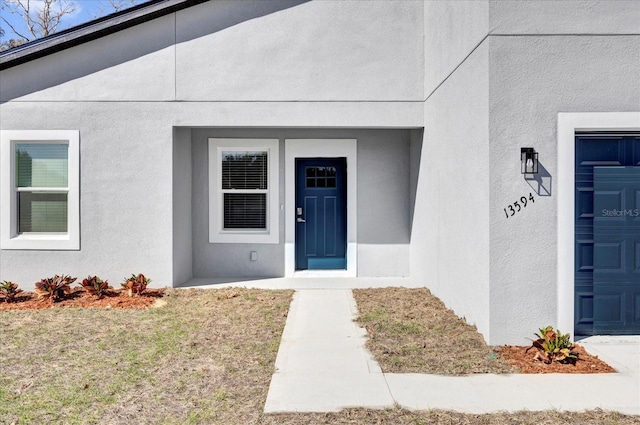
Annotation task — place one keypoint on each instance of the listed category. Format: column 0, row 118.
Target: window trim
column 9, row 237
column 217, row 233
column 320, row 148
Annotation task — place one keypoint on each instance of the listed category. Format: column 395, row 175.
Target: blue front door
column 616, row 250
column 321, row 213
column 607, row 248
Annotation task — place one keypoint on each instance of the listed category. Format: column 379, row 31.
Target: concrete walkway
column 323, row 366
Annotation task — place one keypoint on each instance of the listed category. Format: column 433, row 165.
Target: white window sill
column 53, row 242
column 244, row 237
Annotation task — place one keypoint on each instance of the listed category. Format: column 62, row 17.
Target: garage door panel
column 608, row 309
column 616, row 236
column 584, row 310
column 635, row 149
column 608, row 257
column 599, row 151
column 607, row 234
column 584, row 255
column 584, row 202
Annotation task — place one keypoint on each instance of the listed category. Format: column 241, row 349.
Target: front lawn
column 205, row 358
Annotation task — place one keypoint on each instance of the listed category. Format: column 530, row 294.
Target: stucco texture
column 450, row 239
column 532, row 79
column 125, row 193
column 336, row 50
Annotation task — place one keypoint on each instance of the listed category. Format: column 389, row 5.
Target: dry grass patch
column 411, row 331
column 439, row 417
column 206, row 357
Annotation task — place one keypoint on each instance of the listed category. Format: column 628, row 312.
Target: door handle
column 301, row 220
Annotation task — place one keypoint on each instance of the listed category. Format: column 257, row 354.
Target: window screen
column 42, row 183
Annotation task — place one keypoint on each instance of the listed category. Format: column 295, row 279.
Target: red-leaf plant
column 552, row 346
column 136, row 284
column 95, row 286
column 54, row 287
column 9, row 290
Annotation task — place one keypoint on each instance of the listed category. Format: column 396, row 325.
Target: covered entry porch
column 379, row 170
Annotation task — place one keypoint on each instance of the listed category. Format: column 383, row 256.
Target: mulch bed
column 523, row 360
column 79, row 298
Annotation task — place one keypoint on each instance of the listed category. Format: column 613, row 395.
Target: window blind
column 245, row 210
column 243, row 174
column 244, row 170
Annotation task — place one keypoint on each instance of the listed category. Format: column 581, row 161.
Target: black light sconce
column 528, row 161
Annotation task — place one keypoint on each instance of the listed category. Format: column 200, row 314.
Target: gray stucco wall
column 79, row 74
column 531, row 80
column 497, row 73
column 383, row 203
column 242, row 51
column 125, row 195
column 450, row 234
column 452, row 30
column 450, row 238
column 564, row 17
column 336, row 50
column 182, row 206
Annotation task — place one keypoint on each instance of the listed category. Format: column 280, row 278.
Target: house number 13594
column 517, row 206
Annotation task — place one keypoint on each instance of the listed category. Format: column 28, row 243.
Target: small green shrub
column 54, row 287
column 95, row 286
column 9, row 291
column 553, row 346
column 136, row 284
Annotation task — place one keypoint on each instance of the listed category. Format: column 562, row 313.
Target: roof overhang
column 92, row 30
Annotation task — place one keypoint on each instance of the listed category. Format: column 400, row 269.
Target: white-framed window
column 243, row 190
column 39, row 189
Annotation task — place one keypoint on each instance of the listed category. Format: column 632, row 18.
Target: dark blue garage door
column 607, row 234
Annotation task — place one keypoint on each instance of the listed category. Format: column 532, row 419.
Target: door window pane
column 320, row 177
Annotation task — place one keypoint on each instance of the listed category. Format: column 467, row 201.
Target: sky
column 86, row 10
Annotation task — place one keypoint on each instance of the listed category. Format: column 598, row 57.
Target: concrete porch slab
column 303, row 282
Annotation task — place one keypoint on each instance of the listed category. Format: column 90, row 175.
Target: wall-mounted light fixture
column 528, row 161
